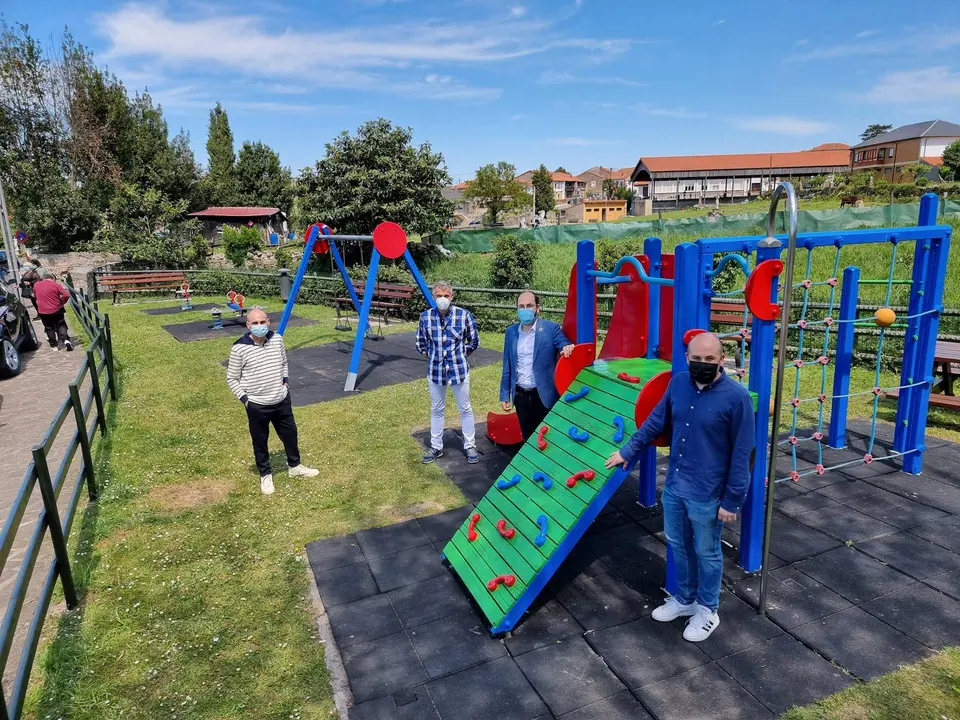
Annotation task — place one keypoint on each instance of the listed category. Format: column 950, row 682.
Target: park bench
column 387, row 298
column 146, row 281
column 731, row 314
column 946, row 355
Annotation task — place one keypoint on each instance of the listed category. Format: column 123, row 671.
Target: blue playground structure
column 389, row 240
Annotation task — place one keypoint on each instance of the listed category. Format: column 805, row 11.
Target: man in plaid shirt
column 447, row 335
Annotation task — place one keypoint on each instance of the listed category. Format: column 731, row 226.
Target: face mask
column 260, row 330
column 526, row 315
column 443, row 304
column 703, row 373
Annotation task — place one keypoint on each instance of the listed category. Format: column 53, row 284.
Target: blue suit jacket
column 546, row 348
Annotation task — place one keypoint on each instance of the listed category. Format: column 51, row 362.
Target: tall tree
column 221, row 159
column 261, row 180
column 874, row 130
column 561, row 169
column 497, row 189
column 543, row 184
column 375, row 175
column 951, row 161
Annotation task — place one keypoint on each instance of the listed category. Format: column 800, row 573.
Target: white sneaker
column 671, row 610
column 266, row 484
column 701, row 625
column 303, row 471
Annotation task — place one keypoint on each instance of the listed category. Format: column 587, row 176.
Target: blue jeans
column 693, row 534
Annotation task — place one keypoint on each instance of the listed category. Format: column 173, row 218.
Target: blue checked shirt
column 446, row 341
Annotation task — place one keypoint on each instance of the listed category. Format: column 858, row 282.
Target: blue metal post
column 837, row 434
column 298, row 280
column 927, row 344
column 911, row 370
column 705, row 297
column 586, row 294
column 362, row 323
column 762, row 343
column 335, row 254
column 421, row 283
column 647, row 462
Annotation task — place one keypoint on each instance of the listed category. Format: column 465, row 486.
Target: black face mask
column 703, row 373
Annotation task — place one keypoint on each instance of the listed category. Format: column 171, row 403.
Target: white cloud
column 720, row 22
column 582, row 141
column 910, row 87
column 518, row 11
column 780, row 125
column 553, row 77
column 678, row 113
column 801, row 43
column 867, row 33
column 917, row 43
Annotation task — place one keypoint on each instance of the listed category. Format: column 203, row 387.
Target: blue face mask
column 260, row 330
column 526, row 315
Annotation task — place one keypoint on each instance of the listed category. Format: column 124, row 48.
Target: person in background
column 711, row 422
column 28, row 279
column 257, row 375
column 530, row 351
column 447, row 335
column 52, row 298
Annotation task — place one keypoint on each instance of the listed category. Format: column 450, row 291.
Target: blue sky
column 574, row 82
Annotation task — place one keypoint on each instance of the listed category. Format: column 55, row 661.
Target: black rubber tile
column 363, row 620
column 382, row 667
column 792, row 540
column 921, row 612
column 854, row 575
column 407, row 567
column 454, row 643
column 922, row 489
column 740, row 627
column 201, row 330
column 948, row 583
column 625, row 545
column 860, row 643
column 878, row 468
column 496, row 689
column 850, row 491
column 345, row 584
column 569, row 675
column 545, row 624
column 792, row 598
column 793, row 501
column 702, row 693
column 412, row 704
column 623, row 706
column 912, row 555
column 176, row 309
column 441, row 527
column 844, row 523
column 601, row 601
column 391, row 539
column 581, row 562
column 332, row 553
column 944, row 532
column 880, row 504
column 645, row 651
column 608, row 518
column 782, row 673
column 419, row 604
column 647, row 578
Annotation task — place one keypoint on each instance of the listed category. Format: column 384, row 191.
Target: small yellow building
column 590, row 211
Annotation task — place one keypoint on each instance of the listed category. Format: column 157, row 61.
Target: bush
column 198, row 252
column 921, row 181
column 238, row 243
column 513, row 262
column 284, row 257
column 609, row 251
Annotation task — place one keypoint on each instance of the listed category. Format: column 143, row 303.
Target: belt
column 523, row 390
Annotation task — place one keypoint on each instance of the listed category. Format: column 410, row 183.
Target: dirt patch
column 182, row 496
column 118, row 537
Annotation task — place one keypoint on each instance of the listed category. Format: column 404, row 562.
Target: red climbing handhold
column 507, row 580
column 628, row 378
column 502, row 528
column 582, row 475
column 820, row 469
column 472, row 530
column 541, row 443
column 758, row 289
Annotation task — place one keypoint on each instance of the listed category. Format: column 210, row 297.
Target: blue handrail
column 733, row 257
column 608, row 278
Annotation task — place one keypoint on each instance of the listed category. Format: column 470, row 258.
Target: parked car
column 16, row 333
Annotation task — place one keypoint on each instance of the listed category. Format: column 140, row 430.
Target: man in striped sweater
column 257, row 375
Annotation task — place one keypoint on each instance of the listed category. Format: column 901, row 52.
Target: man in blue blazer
column 530, row 351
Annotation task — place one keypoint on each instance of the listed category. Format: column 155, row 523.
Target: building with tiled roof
column 889, row 153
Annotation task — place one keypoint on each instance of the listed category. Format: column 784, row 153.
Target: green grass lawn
column 751, row 206
column 195, row 586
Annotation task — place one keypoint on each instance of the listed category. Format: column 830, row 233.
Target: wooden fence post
column 108, row 354
column 84, row 440
column 53, row 523
column 97, row 393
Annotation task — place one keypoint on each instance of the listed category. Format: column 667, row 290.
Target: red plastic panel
column 650, row 394
column 569, row 367
column 759, row 288
column 627, row 336
column 320, row 246
column 504, row 428
column 666, row 309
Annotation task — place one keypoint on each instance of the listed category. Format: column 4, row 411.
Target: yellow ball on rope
column 884, row 317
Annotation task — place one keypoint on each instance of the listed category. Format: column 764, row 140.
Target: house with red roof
column 270, row 222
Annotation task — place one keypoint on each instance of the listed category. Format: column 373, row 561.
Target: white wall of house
column 934, row 147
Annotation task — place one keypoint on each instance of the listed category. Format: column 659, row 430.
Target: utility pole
column 9, row 243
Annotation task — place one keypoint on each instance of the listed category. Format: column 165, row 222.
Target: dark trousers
column 530, row 410
column 55, row 325
column 281, row 415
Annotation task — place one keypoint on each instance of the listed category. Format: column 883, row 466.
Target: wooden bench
column 947, row 401
column 140, row 282
column 387, row 297
column 731, row 314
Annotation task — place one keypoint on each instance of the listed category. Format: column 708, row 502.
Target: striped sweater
column 258, row 371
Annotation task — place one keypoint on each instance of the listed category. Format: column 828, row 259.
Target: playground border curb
column 339, row 684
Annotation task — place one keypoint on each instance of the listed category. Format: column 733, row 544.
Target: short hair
column 536, row 298
column 442, row 285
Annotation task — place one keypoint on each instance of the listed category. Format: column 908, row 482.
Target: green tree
column 496, row 189
column 614, row 191
column 951, row 161
column 373, row 176
column 874, row 130
column 561, row 169
column 221, row 160
column 543, row 184
column 513, row 261
column 915, row 171
column 261, row 180
column 239, row 242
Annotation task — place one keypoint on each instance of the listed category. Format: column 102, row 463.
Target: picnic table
column 946, row 355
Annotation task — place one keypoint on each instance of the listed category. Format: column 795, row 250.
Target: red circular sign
column 390, row 239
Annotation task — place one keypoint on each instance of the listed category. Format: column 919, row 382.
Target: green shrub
column 198, row 252
column 921, row 181
column 284, row 257
column 609, row 251
column 238, row 243
column 513, row 262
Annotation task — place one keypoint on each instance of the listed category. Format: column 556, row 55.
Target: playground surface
column 232, row 326
column 176, row 309
column 865, row 577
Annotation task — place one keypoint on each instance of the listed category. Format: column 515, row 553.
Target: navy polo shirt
column 711, row 439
